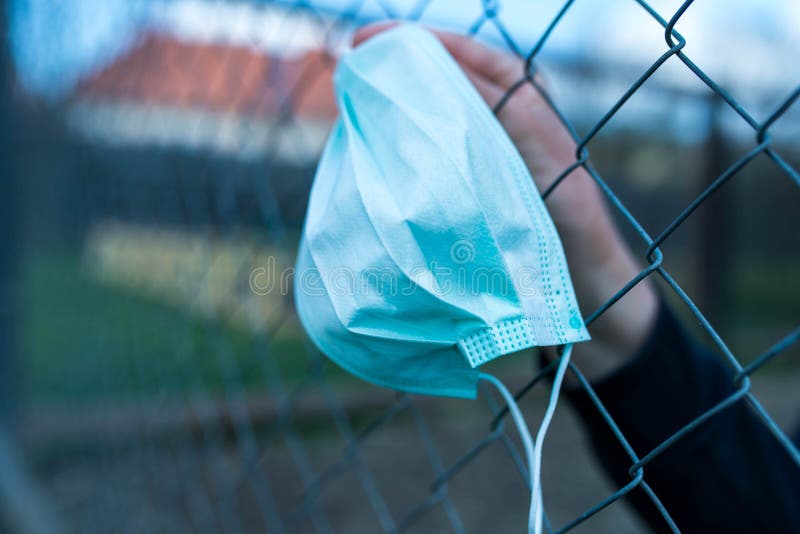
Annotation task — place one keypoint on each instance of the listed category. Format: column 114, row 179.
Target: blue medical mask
column 427, row 250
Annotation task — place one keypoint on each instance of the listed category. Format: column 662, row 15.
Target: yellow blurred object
column 210, row 276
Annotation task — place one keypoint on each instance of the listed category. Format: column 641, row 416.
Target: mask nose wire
column 533, row 452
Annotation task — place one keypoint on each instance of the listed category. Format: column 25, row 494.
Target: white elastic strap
column 548, row 416
column 533, row 452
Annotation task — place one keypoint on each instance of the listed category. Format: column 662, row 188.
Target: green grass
column 766, row 308
column 86, row 342
column 763, row 307
column 82, row 341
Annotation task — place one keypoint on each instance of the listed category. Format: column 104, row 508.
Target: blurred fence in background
column 151, row 383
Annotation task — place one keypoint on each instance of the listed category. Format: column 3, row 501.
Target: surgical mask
column 427, row 250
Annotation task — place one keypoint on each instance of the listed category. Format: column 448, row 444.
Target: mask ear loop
column 534, row 452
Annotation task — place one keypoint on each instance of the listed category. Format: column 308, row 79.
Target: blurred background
column 157, row 159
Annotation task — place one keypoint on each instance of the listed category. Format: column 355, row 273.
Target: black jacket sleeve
column 728, row 475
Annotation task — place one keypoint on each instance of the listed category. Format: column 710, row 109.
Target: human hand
column 600, row 262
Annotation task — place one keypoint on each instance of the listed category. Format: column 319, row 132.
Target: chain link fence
column 160, row 381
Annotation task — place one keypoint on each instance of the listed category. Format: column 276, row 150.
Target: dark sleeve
column 728, row 475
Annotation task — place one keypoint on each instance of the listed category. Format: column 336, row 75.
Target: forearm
column 730, row 474
column 601, row 264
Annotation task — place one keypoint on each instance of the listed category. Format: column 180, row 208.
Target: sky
column 57, row 41
column 750, row 46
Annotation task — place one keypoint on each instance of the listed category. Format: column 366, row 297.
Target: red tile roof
column 216, row 77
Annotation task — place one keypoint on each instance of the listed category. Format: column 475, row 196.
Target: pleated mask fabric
column 426, row 250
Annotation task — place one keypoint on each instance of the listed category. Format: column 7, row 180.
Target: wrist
column 601, row 264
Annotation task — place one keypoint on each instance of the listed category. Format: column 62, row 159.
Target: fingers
column 496, row 67
column 490, row 92
column 370, row 30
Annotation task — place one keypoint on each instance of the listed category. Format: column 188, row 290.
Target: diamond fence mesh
column 161, row 381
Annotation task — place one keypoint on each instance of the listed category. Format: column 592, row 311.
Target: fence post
column 8, row 228
column 23, row 508
column 715, row 244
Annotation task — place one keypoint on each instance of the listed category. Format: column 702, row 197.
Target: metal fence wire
column 197, row 444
